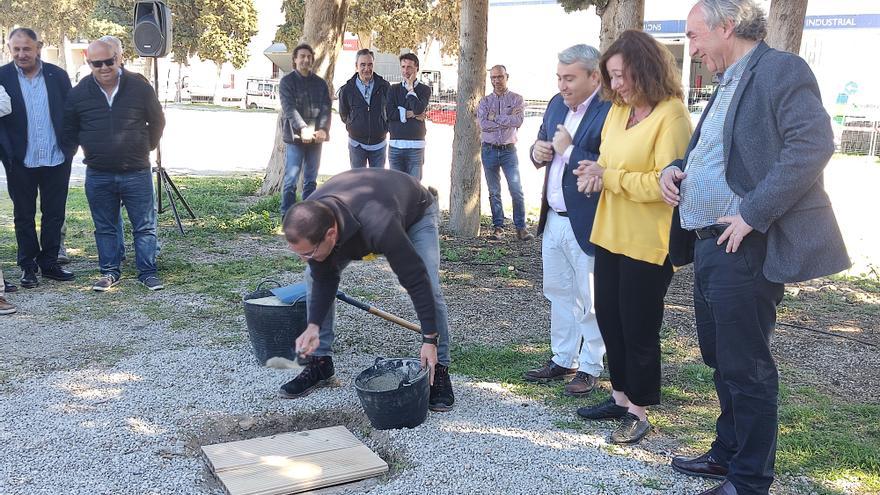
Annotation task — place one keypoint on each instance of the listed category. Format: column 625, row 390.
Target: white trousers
column 568, row 285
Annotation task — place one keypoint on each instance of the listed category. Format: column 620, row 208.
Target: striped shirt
column 42, row 145
column 705, row 194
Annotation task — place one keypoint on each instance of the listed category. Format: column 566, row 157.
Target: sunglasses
column 100, row 63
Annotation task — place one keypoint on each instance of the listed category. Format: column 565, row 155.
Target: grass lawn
column 234, row 241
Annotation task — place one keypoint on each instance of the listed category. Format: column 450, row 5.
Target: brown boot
column 581, row 385
column 524, row 235
column 550, row 371
column 496, row 234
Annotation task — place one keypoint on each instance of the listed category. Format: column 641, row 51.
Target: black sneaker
column 318, row 373
column 631, row 429
column 605, row 410
column 442, row 398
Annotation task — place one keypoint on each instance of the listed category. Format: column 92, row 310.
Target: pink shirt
column 557, row 167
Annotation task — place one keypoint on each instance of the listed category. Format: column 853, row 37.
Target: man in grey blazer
column 752, row 215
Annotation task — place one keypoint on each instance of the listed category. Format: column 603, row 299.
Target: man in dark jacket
column 117, row 119
column 35, row 162
column 362, row 107
column 407, row 103
column 355, row 214
column 305, row 107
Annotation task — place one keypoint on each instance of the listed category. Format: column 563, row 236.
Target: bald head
column 100, row 50
column 104, row 63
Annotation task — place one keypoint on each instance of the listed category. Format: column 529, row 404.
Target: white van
column 262, row 93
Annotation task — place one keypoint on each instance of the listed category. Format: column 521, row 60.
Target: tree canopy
column 216, row 30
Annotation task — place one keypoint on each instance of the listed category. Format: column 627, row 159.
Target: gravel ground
column 121, row 405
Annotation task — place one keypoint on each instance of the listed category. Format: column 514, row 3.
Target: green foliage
column 226, row 27
column 53, row 20
column 216, row 30
column 391, row 25
column 291, row 31
column 574, row 5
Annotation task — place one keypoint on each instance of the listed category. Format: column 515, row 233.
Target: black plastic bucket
column 273, row 329
column 394, row 393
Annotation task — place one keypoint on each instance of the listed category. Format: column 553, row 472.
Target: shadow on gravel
column 234, row 428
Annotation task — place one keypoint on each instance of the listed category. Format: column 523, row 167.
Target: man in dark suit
column 36, row 162
column 571, row 132
column 5, row 109
column 752, row 215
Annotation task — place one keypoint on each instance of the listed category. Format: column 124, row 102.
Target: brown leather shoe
column 5, row 307
column 524, row 235
column 581, row 385
column 704, row 466
column 550, row 371
column 725, row 488
column 496, row 234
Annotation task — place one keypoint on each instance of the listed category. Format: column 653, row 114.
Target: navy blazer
column 586, row 141
column 777, row 142
column 13, row 127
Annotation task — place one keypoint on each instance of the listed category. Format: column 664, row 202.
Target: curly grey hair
column 747, row 17
column 585, row 54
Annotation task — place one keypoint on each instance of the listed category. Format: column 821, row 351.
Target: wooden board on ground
column 292, row 462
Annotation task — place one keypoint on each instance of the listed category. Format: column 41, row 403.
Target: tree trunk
column 618, row 16
column 275, row 169
column 62, row 48
column 785, row 24
column 365, row 40
column 218, row 85
column 464, row 207
column 323, row 28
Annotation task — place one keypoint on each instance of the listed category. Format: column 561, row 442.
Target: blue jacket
column 581, row 209
column 777, row 142
column 13, row 127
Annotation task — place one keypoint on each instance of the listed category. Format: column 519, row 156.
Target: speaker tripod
column 162, row 177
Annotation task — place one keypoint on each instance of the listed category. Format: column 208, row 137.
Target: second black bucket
column 394, row 393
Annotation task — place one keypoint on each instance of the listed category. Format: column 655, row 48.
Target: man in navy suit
column 34, row 160
column 571, row 132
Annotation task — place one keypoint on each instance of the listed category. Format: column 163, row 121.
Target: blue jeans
column 359, row 157
column 425, row 237
column 106, row 191
column 407, row 160
column 494, row 161
column 305, row 158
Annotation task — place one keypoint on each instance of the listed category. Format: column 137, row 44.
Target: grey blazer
column 777, row 142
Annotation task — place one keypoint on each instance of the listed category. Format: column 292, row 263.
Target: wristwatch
column 431, row 340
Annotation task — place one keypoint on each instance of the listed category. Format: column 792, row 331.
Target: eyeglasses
column 100, row 63
column 311, row 254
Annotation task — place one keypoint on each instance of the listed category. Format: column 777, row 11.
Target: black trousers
column 629, row 310
column 735, row 310
column 24, row 184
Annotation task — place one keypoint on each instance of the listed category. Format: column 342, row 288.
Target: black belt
column 562, row 213
column 508, row 146
column 710, row 232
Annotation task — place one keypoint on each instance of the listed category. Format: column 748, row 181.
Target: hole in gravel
column 233, row 428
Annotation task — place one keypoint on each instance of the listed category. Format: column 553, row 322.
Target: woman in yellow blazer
column 647, row 128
